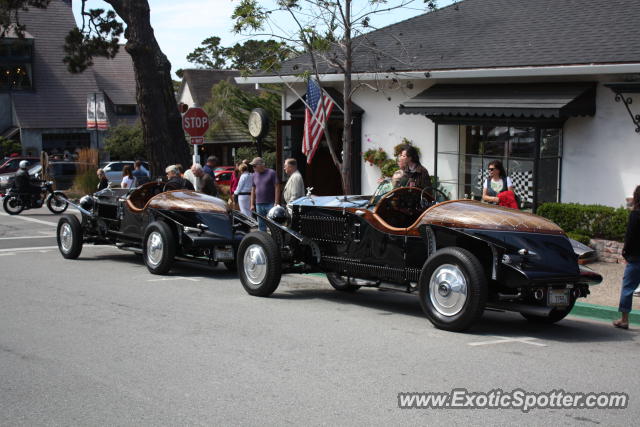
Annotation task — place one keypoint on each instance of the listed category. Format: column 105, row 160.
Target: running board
column 130, row 249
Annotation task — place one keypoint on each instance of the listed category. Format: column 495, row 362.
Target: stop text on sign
column 195, row 122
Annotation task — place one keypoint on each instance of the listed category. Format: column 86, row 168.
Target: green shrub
column 85, row 182
column 578, row 237
column 595, row 221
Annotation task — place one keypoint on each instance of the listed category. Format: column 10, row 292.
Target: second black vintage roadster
column 162, row 226
column 459, row 256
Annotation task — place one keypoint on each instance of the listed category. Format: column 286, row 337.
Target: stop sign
column 195, row 121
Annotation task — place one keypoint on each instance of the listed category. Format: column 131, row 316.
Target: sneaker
column 636, row 293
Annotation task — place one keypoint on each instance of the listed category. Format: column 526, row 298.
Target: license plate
column 224, row 254
column 558, row 297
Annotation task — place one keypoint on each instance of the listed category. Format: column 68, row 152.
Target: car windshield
column 383, row 188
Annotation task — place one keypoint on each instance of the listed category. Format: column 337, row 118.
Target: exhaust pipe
column 534, row 310
column 538, row 294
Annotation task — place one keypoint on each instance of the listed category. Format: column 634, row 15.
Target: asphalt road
column 100, row 341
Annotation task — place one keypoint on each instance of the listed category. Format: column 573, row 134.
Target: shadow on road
column 492, row 323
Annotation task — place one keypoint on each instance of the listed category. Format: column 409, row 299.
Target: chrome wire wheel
column 448, row 289
column 155, row 248
column 255, row 264
column 66, row 238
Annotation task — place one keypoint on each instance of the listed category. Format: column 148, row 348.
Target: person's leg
column 630, row 281
column 263, row 209
column 244, row 203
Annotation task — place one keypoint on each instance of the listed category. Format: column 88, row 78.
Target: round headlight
column 86, row 203
column 279, row 215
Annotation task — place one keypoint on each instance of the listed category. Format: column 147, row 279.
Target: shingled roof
column 116, row 77
column 59, row 98
column 200, row 82
column 499, row 33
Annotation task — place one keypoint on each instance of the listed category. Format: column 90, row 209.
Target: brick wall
column 608, row 250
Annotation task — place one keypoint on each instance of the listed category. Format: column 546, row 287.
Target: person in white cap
column 265, row 191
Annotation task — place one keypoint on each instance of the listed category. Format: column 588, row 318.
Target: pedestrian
column 127, row 178
column 415, row 175
column 631, row 254
column 294, row 188
column 210, row 166
column 497, row 182
column 103, row 181
column 265, row 190
column 235, row 178
column 243, row 190
column 205, row 184
column 175, row 181
column 141, row 175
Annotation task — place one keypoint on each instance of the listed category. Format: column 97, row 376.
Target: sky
column 180, row 26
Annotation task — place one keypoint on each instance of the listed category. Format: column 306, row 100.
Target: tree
column 325, row 31
column 234, row 104
column 99, row 36
column 8, row 147
column 247, row 57
column 125, row 142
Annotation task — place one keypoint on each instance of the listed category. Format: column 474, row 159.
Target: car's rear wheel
column 341, row 283
column 453, row 289
column 69, row 236
column 259, row 264
column 159, row 247
column 57, row 203
column 556, row 315
column 12, row 205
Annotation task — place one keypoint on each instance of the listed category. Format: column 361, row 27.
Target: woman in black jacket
column 631, row 254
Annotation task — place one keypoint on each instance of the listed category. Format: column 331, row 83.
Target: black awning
column 504, row 101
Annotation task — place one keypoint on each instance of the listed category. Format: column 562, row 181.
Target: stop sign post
column 195, row 122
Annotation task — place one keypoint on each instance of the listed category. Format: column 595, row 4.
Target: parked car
column 459, row 256
column 223, row 177
column 113, row 170
column 224, row 168
column 9, row 165
column 64, row 173
column 162, row 226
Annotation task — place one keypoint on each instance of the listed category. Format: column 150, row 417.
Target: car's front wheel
column 159, row 247
column 69, row 236
column 453, row 289
column 259, row 264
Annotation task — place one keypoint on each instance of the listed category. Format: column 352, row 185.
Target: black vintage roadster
column 459, row 256
column 163, row 226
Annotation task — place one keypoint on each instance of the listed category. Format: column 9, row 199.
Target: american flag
column 314, row 118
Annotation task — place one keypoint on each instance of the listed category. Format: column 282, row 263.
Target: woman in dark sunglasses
column 497, row 182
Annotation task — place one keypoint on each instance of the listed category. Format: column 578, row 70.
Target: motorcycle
column 15, row 202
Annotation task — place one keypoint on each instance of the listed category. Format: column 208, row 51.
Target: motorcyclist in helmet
column 23, row 181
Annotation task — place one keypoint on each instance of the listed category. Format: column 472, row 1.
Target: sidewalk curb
column 601, row 312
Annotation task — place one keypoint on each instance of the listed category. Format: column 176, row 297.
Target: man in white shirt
column 294, row 189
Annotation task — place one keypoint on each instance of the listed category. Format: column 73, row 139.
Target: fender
column 279, row 232
column 430, row 231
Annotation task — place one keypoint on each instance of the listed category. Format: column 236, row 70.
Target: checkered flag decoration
column 522, row 183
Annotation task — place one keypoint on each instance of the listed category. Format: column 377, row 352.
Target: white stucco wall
column 601, row 157
column 185, row 96
column 601, row 154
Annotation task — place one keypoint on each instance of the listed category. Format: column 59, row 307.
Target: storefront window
column 524, row 151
